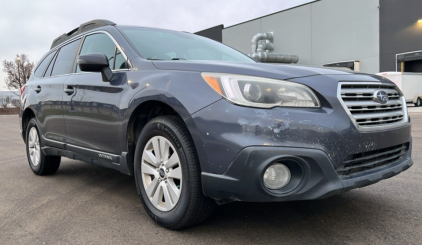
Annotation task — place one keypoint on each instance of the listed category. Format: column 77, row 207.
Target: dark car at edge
column 198, row 123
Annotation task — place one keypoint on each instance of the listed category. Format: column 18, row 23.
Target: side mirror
column 96, row 63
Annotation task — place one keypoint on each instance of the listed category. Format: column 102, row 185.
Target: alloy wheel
column 161, row 173
column 34, row 146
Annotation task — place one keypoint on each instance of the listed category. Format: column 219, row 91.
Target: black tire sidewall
column 418, row 102
column 33, row 124
column 161, row 128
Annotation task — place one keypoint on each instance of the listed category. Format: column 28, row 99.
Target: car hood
column 276, row 71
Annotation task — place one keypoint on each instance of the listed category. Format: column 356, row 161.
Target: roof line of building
column 222, row 27
column 273, row 13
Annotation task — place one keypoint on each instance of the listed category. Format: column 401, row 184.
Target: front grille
column 359, row 100
column 372, row 159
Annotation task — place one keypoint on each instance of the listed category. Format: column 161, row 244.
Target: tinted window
column 50, row 67
column 120, row 62
column 99, row 43
column 39, row 71
column 167, row 45
column 64, row 61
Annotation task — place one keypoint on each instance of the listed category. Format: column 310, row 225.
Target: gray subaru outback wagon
column 198, row 123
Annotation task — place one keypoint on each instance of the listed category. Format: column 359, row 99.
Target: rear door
column 92, row 107
column 52, row 73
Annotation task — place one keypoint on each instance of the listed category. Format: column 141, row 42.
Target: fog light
column 277, row 176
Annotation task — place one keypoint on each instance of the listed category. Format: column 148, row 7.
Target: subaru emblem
column 381, row 96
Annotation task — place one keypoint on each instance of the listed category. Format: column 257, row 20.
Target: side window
column 40, row 69
column 50, row 66
column 99, row 43
column 120, row 62
column 65, row 58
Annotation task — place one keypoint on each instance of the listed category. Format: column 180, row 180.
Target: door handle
column 37, row 89
column 69, row 90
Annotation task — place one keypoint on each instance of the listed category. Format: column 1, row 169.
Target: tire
column 184, row 204
column 418, row 102
column 39, row 163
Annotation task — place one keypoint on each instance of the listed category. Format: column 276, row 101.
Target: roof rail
column 81, row 29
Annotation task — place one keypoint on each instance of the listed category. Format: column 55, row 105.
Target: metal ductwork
column 265, row 46
column 274, row 58
column 258, row 37
column 262, row 45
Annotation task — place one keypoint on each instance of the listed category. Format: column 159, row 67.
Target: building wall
column 321, row 32
column 214, row 33
column 399, row 30
column 239, row 36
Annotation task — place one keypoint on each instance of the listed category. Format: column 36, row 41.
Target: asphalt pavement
column 87, row 204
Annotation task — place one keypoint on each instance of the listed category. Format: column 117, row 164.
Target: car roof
column 87, row 26
column 94, row 24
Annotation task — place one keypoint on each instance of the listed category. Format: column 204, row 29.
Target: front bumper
column 243, row 179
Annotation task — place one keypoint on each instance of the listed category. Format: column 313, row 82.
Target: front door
column 92, row 106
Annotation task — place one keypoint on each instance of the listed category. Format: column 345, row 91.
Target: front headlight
column 261, row 92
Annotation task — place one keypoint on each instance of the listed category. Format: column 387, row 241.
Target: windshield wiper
column 164, row 59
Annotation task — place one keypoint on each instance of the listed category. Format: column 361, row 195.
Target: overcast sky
column 29, row 26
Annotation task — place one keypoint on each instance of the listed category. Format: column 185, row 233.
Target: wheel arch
column 27, row 115
column 140, row 116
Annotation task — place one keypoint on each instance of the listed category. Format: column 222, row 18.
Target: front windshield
column 156, row 44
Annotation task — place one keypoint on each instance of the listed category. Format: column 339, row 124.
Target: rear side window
column 40, row 69
column 65, row 58
column 50, row 67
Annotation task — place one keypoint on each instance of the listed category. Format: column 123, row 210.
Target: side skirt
column 104, row 159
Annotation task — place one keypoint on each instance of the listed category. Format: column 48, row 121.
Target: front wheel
column 168, row 176
column 418, row 102
column 39, row 163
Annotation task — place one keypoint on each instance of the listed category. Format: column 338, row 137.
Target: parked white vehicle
column 409, row 83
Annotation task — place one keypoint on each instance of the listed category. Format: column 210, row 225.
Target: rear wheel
column 168, row 175
column 39, row 163
column 418, row 102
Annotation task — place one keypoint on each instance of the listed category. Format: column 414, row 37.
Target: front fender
column 184, row 91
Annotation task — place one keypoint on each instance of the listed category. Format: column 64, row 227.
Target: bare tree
column 5, row 101
column 17, row 72
column 16, row 103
